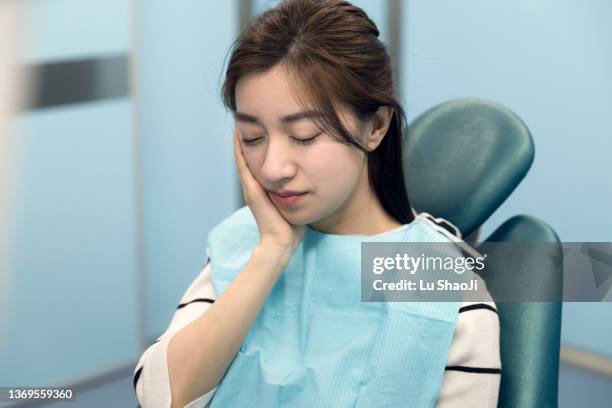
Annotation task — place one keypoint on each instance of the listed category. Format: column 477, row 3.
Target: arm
column 198, row 346
column 200, row 353
column 151, row 379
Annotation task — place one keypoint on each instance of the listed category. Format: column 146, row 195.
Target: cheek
column 334, row 169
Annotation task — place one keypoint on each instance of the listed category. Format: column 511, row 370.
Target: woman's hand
column 274, row 230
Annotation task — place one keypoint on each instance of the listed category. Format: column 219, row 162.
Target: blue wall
column 63, row 29
column 188, row 177
column 72, row 267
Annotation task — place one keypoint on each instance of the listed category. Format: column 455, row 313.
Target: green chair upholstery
column 530, row 331
column 481, row 152
column 462, row 159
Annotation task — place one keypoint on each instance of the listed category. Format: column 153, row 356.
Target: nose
column 278, row 164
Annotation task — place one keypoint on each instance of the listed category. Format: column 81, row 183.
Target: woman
column 318, row 146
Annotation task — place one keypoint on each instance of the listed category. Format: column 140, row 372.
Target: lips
column 290, row 199
column 287, row 193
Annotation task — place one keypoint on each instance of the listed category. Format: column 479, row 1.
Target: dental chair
column 482, row 151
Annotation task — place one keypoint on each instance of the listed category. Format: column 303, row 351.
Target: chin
column 299, row 217
column 295, row 219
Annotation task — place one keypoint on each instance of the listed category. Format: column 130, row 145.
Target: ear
column 378, row 126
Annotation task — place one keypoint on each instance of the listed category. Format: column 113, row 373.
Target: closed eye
column 252, row 142
column 306, row 141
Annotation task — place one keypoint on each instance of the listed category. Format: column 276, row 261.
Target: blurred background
column 116, row 161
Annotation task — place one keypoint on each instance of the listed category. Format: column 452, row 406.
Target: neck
column 362, row 215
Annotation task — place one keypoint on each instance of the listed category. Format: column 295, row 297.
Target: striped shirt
column 471, row 377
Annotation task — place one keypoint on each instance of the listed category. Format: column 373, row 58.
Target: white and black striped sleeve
column 473, row 369
column 151, row 375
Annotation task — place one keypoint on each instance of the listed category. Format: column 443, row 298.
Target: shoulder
column 236, row 233
column 241, row 220
column 242, row 217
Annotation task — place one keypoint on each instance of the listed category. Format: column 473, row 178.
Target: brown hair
column 332, row 51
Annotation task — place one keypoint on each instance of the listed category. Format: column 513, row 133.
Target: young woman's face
column 286, row 152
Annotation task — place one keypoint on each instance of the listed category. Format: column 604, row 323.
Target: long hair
column 332, row 51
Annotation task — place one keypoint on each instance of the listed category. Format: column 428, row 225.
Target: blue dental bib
column 315, row 344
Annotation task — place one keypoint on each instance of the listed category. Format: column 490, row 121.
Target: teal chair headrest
column 484, row 145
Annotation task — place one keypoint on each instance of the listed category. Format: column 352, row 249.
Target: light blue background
column 188, row 178
column 116, row 198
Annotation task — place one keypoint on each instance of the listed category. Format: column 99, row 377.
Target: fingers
column 248, row 181
column 238, row 155
column 240, row 162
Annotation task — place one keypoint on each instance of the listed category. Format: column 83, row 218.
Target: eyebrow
column 288, row 119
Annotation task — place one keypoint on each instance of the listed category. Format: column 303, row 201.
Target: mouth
column 288, row 199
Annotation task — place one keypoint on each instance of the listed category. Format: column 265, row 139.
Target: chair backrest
column 530, row 332
column 462, row 159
